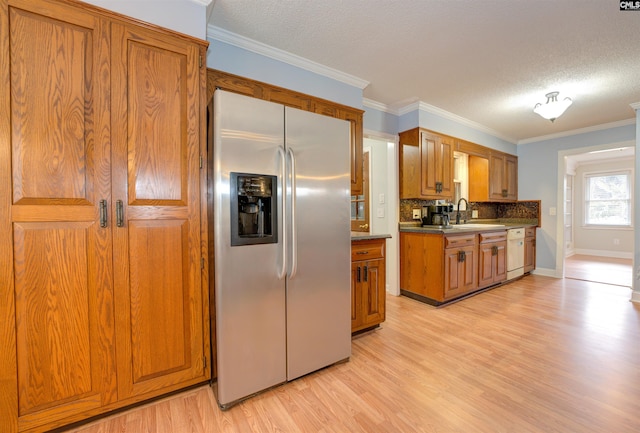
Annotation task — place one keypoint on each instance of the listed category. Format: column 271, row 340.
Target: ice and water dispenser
column 253, row 209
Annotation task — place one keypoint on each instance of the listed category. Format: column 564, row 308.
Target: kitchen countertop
column 364, row 236
column 474, row 226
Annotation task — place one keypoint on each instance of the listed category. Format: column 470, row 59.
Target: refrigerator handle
column 294, row 234
column 283, row 189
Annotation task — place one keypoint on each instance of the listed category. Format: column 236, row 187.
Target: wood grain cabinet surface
column 529, row 249
column 503, row 177
column 101, row 289
column 438, row 268
column 492, row 265
column 368, row 283
column 426, row 165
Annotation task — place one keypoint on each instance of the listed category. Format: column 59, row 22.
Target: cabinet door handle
column 358, row 277
column 461, row 256
column 103, row 213
column 494, row 250
column 366, row 270
column 362, row 252
column 505, row 193
column 119, row 213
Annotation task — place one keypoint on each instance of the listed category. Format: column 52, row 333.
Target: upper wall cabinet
column 426, row 165
column 493, row 175
column 103, row 298
column 234, row 83
column 503, row 176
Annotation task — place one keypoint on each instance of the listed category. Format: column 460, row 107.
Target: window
column 608, row 199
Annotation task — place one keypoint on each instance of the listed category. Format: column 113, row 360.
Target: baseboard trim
column 604, row 253
column 546, row 272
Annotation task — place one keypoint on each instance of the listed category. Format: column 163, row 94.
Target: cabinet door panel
column 374, row 306
column 486, row 265
column 429, row 171
column 453, row 286
column 156, row 90
column 157, row 125
column 356, row 296
column 501, row 262
column 56, row 272
column 497, row 190
column 158, row 319
column 446, row 166
column 63, row 322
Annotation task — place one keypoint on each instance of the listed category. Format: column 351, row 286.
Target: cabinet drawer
column 459, row 241
column 365, row 250
column 530, row 232
column 493, row 237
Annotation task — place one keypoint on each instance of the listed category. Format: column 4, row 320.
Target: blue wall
column 238, row 61
column 538, row 179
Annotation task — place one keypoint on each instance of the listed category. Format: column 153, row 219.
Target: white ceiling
column 486, row 61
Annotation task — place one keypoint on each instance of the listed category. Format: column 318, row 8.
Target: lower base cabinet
column 437, row 268
column 368, row 284
column 460, row 265
column 492, row 266
column 529, row 249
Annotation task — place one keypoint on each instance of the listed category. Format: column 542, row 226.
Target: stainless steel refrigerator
column 282, row 244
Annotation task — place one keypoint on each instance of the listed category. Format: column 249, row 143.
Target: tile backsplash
column 521, row 210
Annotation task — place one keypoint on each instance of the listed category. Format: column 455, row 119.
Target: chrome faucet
column 458, row 211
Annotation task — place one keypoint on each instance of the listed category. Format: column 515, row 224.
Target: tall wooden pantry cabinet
column 103, row 298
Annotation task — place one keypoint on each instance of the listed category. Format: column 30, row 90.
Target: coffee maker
column 437, row 215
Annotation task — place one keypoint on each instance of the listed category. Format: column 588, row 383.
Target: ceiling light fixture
column 552, row 109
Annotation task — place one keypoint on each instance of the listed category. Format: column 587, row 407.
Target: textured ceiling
column 486, row 61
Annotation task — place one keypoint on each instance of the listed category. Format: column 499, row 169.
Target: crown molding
column 579, row 131
column 423, row 106
column 378, row 106
column 381, row 136
column 219, row 34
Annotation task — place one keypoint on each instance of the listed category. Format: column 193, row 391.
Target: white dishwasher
column 515, row 253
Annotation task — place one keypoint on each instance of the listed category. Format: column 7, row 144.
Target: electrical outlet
column 616, row 241
column 474, row 214
column 416, row 214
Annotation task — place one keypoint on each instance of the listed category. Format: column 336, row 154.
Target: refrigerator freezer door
column 249, row 296
column 319, row 293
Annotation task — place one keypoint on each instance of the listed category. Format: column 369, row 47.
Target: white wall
column 382, row 181
column 599, row 241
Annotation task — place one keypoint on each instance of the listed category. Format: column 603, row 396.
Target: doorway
column 593, row 252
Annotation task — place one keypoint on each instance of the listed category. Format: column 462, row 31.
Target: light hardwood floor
column 608, row 270
column 537, row 355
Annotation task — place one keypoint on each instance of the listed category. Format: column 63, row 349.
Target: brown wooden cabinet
column 437, row 268
column 492, row 266
column 503, row 177
column 460, row 265
column 426, row 165
column 101, row 289
column 368, row 283
column 529, row 249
